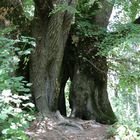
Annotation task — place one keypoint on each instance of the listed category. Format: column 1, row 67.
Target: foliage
column 124, row 131
column 16, row 110
column 124, row 62
column 67, row 89
column 130, row 8
column 124, row 103
column 9, row 63
column 122, row 49
column 84, row 21
column 13, row 119
column 28, row 6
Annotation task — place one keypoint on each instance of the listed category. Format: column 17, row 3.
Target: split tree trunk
column 51, row 33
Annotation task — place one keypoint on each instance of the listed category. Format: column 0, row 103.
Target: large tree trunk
column 51, row 33
column 88, row 93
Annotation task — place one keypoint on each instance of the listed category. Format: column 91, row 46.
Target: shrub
column 14, row 118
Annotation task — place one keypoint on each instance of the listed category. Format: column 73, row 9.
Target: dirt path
column 67, row 129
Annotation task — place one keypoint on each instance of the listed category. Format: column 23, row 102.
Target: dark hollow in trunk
column 67, row 71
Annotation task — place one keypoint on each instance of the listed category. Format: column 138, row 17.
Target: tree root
column 66, row 122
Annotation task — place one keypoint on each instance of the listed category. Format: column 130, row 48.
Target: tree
column 50, row 27
column 86, row 69
column 51, row 32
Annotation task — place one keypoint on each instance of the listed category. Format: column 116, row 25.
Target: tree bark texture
column 50, row 32
column 88, row 92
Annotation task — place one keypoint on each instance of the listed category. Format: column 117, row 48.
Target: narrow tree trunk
column 51, row 34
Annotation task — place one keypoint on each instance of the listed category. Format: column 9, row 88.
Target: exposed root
column 66, row 122
column 72, row 124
